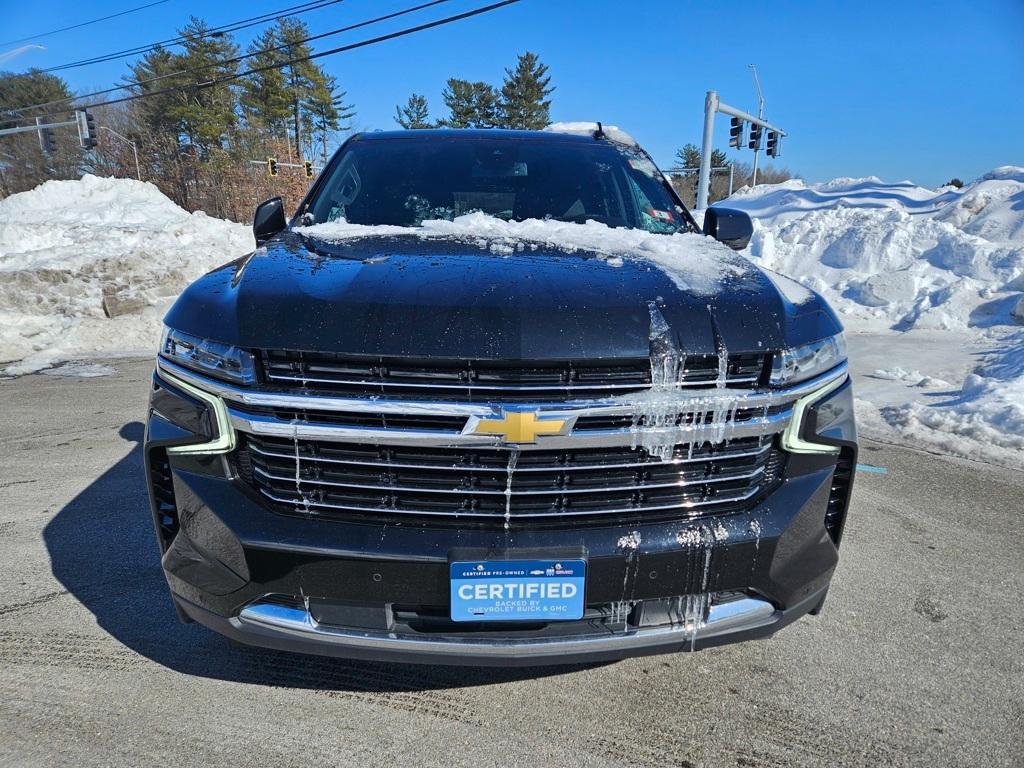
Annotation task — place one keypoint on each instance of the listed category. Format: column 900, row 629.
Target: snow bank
column 692, row 261
column 897, row 255
column 88, row 268
column 897, row 260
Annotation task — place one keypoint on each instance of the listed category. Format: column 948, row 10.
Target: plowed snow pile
column 89, row 267
column 929, row 285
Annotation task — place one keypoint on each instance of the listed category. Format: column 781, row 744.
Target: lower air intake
column 839, row 496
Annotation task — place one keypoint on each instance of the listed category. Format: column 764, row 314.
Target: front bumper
column 293, row 629
column 379, row 590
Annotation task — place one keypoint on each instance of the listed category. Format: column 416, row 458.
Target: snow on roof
column 585, row 128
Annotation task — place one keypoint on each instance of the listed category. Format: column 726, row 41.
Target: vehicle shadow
column 103, row 550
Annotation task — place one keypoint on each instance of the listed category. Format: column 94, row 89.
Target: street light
column 135, row 151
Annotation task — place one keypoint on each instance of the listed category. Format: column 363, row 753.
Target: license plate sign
column 517, row 590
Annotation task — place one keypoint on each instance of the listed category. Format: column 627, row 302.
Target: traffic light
column 736, row 133
column 47, row 141
column 86, row 129
column 272, row 166
column 773, row 144
column 308, row 165
column 755, row 136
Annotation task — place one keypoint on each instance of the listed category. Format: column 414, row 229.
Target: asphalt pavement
column 916, row 659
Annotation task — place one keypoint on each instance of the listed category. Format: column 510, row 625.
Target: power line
column 82, row 24
column 340, row 49
column 234, row 26
column 237, row 59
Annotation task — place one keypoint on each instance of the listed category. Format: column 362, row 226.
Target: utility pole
column 760, row 114
column 323, row 122
column 298, row 137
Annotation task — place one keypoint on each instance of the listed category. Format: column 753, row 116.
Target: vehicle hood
column 451, row 297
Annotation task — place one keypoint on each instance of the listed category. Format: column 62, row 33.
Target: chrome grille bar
column 686, row 505
column 514, row 492
column 469, row 386
column 595, row 438
column 519, row 468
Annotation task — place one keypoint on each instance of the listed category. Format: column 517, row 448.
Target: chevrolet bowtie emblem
column 522, row 426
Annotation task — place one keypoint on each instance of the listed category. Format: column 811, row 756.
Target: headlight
column 807, row 361
column 221, row 361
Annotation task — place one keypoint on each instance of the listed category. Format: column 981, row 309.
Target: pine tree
column 689, row 157
column 156, row 111
column 486, row 102
column 325, row 112
column 208, row 113
column 457, row 96
column 301, row 76
column 685, row 183
column 264, row 99
column 471, row 105
column 524, row 102
column 315, row 103
column 415, row 114
column 32, row 87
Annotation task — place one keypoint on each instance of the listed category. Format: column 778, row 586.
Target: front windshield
column 406, row 181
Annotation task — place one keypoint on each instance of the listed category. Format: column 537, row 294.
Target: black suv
column 492, row 397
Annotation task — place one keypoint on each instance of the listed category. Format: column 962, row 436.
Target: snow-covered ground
column 930, row 286
column 89, row 267
column 927, row 283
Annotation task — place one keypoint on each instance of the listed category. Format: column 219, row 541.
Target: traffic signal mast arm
column 272, row 164
column 725, row 109
column 36, row 127
column 82, row 120
column 713, row 105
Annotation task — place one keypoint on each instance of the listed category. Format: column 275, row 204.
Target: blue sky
column 901, row 90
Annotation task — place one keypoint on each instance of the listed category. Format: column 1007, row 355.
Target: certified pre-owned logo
column 522, row 426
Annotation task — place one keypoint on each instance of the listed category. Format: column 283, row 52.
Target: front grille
column 501, row 486
column 478, row 380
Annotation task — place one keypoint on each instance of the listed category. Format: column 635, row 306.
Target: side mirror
column 728, row 226
column 268, row 220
